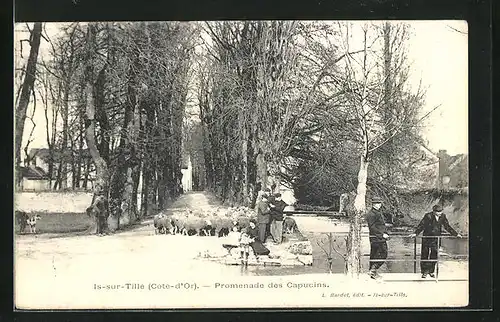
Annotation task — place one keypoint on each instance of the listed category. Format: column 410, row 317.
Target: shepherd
column 263, row 217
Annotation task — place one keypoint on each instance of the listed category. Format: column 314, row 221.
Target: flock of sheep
column 215, row 223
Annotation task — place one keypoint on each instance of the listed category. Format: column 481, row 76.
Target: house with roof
column 40, row 158
column 448, row 171
column 34, row 179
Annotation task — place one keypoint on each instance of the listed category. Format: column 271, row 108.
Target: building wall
column 187, row 177
column 72, row 202
column 42, row 164
column 35, row 185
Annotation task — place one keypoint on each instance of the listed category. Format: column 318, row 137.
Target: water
column 399, row 247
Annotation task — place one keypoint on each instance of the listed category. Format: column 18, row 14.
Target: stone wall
column 455, row 204
column 65, row 202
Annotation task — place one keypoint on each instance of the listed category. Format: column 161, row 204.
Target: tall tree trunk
column 355, row 219
column 247, row 200
column 24, row 98
column 147, row 198
column 136, row 164
column 65, row 134
column 163, row 186
column 261, row 169
column 80, row 162
column 117, row 184
column 86, row 174
column 128, row 210
column 113, row 216
column 59, row 178
column 145, row 176
column 207, row 155
column 51, row 168
column 136, row 172
column 388, row 108
column 145, row 190
column 101, row 183
column 73, row 167
column 123, row 185
column 102, row 117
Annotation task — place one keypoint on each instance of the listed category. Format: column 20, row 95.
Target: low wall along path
column 60, row 202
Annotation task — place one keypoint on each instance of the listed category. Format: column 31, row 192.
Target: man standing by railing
column 431, row 225
column 378, row 237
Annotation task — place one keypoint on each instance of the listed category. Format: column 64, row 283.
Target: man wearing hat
column 263, row 214
column 431, row 225
column 378, row 237
column 277, row 207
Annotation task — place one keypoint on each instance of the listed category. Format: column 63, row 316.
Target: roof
column 44, row 153
column 455, row 160
column 34, row 173
column 456, row 167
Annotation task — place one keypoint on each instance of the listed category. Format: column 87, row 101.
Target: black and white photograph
column 241, row 164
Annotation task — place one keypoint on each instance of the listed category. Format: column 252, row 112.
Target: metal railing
column 415, row 260
column 325, row 213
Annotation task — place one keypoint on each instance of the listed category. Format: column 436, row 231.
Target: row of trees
column 311, row 104
column 300, row 106
column 116, row 94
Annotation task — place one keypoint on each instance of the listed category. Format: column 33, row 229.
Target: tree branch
column 459, row 31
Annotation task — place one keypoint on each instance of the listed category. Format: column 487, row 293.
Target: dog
column 32, row 223
column 223, row 232
column 208, row 229
column 22, row 220
column 289, row 225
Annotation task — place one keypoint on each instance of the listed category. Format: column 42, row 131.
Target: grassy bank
column 58, row 222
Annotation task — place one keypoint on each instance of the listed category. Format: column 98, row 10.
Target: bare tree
column 365, row 83
column 102, row 180
column 26, row 91
column 51, row 113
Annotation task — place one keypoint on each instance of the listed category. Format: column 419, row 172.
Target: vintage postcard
column 241, row 164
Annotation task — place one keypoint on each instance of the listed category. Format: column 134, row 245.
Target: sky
column 440, row 59
column 438, row 53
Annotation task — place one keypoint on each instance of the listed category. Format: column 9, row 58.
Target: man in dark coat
column 270, row 195
column 431, row 225
column 378, row 237
column 263, row 219
column 252, row 231
column 277, row 208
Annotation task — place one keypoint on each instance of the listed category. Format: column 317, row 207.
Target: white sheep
column 194, row 223
column 179, row 223
column 162, row 224
column 223, row 225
